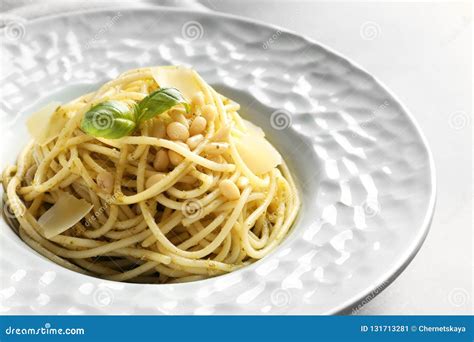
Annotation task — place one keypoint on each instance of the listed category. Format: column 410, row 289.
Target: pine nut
column 177, row 131
column 179, row 117
column 159, row 130
column 152, row 180
column 198, row 126
column 194, row 141
column 198, row 100
column 229, row 190
column 209, row 112
column 174, row 157
column 242, row 182
column 161, row 160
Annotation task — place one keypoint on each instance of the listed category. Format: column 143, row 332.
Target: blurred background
column 421, row 51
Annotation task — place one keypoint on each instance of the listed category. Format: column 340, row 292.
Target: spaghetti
column 178, row 200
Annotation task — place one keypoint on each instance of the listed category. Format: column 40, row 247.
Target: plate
column 364, row 170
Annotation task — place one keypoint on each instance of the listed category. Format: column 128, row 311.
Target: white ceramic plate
column 364, row 170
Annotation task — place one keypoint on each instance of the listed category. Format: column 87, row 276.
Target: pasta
column 189, row 194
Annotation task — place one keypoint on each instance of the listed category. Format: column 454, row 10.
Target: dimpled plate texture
column 364, row 171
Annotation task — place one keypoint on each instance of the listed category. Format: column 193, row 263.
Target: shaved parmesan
column 64, row 214
column 256, row 152
column 181, row 78
column 253, row 129
column 45, row 124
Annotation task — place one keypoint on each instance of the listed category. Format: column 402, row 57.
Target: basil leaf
column 110, row 119
column 160, row 101
column 115, row 119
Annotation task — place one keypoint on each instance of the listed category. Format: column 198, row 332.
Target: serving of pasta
column 153, row 178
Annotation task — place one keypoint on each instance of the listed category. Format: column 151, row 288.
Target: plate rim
column 388, row 277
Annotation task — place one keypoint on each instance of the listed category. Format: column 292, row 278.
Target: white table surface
column 422, row 51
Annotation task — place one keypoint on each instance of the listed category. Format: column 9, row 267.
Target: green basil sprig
column 115, row 119
column 160, row 101
column 110, row 119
